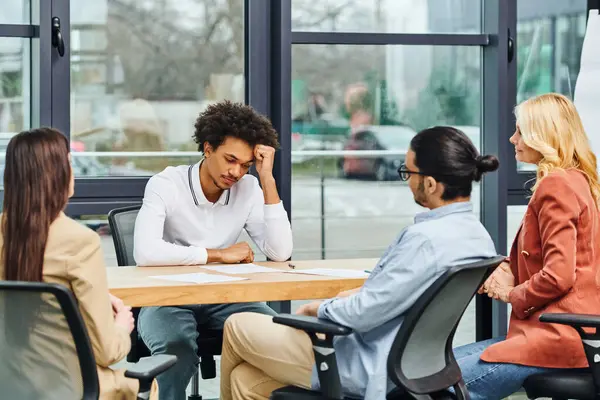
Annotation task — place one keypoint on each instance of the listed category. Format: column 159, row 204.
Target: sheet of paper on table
column 337, row 273
column 241, row 269
column 198, row 277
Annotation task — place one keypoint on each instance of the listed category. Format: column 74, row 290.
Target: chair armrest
column 312, row 324
column 323, row 349
column 148, row 368
column 574, row 320
column 589, row 340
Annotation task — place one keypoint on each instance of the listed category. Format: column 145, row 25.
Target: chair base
column 577, row 384
column 195, row 395
column 296, row 393
column 144, row 390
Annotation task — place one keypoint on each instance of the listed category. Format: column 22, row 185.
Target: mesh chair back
column 421, row 358
column 122, row 225
column 44, row 346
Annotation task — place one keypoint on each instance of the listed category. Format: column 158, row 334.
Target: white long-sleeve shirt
column 177, row 224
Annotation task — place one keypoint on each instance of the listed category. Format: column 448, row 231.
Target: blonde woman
column 554, row 259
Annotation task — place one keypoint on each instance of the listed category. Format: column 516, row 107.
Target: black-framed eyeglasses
column 405, row 173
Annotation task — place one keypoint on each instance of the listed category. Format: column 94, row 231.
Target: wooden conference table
column 136, row 287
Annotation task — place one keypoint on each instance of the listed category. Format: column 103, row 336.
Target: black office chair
column 421, row 361
column 577, row 384
column 210, row 341
column 35, row 365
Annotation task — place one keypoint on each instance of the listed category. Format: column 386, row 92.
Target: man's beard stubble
column 419, row 196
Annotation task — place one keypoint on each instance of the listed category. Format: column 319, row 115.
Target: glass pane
column 14, row 85
column 15, row 94
column 548, row 48
column 141, row 72
column 15, row 12
column 387, row 16
column 99, row 224
column 349, row 207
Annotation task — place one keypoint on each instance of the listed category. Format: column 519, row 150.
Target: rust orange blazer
column 555, row 260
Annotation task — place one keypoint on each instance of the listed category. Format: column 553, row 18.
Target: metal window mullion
column 498, row 90
column 425, row 39
column 61, row 71
column 280, row 101
column 41, row 65
column 19, row 31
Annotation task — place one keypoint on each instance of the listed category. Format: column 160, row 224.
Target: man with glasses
column 260, row 356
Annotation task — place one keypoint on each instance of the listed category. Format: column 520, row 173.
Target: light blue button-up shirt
column 439, row 239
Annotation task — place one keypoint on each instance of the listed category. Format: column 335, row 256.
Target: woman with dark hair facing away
column 260, row 356
column 39, row 243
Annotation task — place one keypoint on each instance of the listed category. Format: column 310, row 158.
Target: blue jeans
column 490, row 381
column 173, row 330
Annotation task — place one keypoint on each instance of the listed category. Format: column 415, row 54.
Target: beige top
column 73, row 258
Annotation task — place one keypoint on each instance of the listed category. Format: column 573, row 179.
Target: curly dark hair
column 236, row 120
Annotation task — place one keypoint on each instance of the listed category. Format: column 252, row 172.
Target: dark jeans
column 490, row 381
column 173, row 330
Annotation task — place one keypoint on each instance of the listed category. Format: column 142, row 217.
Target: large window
column 357, row 100
column 373, row 99
column 141, row 71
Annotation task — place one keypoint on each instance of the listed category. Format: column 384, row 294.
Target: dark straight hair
column 449, row 156
column 36, row 189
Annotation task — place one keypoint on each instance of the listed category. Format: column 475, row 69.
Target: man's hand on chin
column 264, row 158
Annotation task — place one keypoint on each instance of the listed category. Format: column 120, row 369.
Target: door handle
column 57, row 39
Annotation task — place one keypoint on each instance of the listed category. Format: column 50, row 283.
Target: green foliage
column 446, row 100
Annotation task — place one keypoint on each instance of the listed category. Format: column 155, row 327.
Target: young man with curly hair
column 194, row 215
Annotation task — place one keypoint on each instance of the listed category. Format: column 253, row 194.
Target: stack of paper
column 198, row 277
column 338, row 273
column 241, row 269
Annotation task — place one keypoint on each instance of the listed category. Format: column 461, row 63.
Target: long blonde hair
column 550, row 124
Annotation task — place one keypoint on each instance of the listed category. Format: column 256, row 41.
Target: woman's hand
column 116, row 303
column 500, row 283
column 124, row 318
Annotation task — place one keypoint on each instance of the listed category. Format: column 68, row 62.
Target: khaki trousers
column 260, row 356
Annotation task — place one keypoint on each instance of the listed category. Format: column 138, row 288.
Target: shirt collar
column 436, row 213
column 198, row 193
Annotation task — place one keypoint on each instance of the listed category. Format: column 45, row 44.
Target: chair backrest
column 421, row 359
column 122, row 226
column 44, row 345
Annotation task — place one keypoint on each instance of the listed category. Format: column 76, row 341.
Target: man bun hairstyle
column 485, row 164
column 450, row 157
